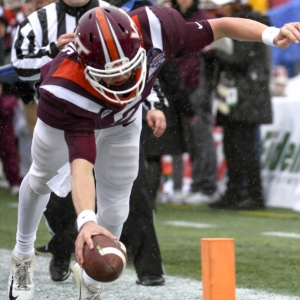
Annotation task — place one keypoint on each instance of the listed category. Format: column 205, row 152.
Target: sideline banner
column 281, row 154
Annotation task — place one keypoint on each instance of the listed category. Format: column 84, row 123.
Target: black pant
column 61, row 218
column 243, row 162
column 202, row 151
column 153, row 171
column 138, row 233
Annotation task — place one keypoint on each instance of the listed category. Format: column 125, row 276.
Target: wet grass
column 262, row 262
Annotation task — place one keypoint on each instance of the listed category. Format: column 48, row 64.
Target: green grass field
column 262, row 262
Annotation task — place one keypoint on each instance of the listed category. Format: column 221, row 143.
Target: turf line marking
column 282, row 234
column 13, row 204
column 189, row 224
column 267, row 214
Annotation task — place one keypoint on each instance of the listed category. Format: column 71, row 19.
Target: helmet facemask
column 137, row 66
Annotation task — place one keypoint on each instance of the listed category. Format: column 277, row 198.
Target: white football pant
column 116, row 168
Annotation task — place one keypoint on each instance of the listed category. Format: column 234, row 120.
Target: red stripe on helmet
column 108, row 37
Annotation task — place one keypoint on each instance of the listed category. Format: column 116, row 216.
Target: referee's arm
column 28, row 55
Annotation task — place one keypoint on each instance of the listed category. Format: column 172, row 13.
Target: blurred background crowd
column 15, row 136
column 227, row 89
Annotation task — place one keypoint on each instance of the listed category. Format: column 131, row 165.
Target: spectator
column 173, row 141
column 15, row 12
column 8, row 101
column 8, row 143
column 244, row 102
column 199, row 131
column 279, row 80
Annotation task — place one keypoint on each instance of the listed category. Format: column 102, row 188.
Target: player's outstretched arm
column 249, row 30
column 83, row 186
column 83, row 195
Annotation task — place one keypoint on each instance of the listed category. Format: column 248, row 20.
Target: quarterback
column 89, row 120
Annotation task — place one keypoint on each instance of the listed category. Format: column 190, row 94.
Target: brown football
column 106, row 261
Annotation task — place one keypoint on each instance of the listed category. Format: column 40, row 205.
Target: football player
column 89, row 118
column 38, row 40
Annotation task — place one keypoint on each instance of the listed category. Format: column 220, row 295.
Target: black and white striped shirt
column 35, row 40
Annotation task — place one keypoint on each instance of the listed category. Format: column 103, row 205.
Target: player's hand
column 87, row 231
column 156, row 121
column 65, row 39
column 289, row 33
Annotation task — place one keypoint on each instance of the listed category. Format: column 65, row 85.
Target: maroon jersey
column 68, row 102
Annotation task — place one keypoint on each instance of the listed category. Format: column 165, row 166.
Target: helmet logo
column 80, row 47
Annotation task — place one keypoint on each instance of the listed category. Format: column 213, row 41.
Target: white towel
column 61, row 183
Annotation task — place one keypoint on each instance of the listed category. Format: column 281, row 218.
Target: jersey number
column 68, row 49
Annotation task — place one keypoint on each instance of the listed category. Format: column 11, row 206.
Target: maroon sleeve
column 81, row 145
column 200, row 35
column 180, row 37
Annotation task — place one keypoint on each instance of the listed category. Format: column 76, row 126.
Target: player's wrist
column 154, row 105
column 269, row 35
column 84, row 217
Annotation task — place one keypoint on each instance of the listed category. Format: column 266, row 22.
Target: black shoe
column 223, row 203
column 59, row 268
column 248, row 204
column 219, row 205
column 43, row 251
column 151, row 280
column 228, row 200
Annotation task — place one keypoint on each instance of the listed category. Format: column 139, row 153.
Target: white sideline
column 189, row 224
column 124, row 288
column 282, row 234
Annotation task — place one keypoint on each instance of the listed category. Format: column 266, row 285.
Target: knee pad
column 113, row 216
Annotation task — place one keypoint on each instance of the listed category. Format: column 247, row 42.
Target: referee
column 38, row 39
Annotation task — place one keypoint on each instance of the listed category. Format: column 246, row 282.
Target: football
column 107, row 261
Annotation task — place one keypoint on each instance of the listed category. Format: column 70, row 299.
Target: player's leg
column 116, row 168
column 33, row 198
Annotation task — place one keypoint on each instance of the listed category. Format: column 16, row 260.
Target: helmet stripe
column 105, row 51
column 109, row 39
column 116, row 40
